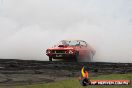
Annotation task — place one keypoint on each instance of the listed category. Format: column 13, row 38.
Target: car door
column 84, row 49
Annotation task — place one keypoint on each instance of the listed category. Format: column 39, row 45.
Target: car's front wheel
column 90, row 57
column 50, row 58
column 76, row 58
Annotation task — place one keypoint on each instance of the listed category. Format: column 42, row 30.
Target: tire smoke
column 29, row 27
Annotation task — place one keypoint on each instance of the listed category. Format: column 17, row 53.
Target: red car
column 74, row 50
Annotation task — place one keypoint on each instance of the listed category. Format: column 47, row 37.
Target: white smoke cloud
column 28, row 27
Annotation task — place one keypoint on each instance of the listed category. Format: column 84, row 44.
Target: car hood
column 61, row 48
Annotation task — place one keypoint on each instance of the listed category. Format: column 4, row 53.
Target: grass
column 74, row 83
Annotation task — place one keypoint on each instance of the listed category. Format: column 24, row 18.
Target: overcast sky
column 28, row 27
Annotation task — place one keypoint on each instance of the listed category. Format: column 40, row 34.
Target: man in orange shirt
column 84, row 77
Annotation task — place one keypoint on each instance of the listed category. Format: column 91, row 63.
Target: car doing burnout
column 74, row 50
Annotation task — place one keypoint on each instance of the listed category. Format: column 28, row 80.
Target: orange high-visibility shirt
column 84, row 74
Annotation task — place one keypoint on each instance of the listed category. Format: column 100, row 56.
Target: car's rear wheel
column 90, row 57
column 50, row 58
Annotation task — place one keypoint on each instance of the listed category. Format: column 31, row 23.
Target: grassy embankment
column 74, row 83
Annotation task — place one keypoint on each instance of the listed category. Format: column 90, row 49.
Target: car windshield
column 70, row 43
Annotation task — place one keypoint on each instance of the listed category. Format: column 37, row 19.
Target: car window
column 82, row 43
column 74, row 43
column 63, row 42
column 70, row 43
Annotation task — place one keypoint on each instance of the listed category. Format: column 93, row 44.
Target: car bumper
column 61, row 56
